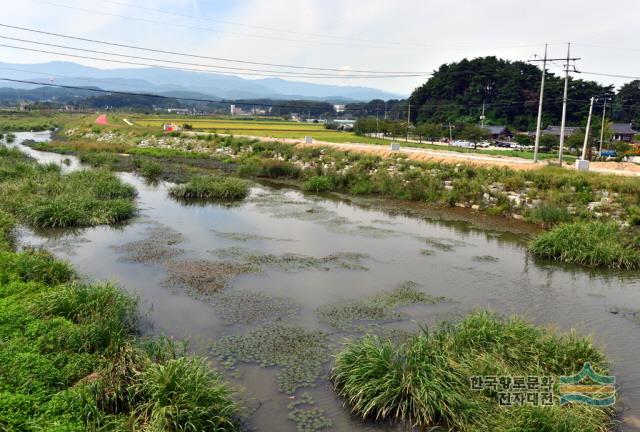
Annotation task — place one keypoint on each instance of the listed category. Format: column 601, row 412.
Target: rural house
column 623, row 132
column 499, row 132
column 555, row 130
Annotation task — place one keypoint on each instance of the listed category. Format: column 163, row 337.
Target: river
column 473, row 267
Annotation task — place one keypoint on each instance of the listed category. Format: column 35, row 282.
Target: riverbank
column 70, row 359
column 545, row 196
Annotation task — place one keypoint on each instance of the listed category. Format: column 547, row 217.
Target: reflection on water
column 474, row 268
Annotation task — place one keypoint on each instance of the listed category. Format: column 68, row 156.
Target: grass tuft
column 593, row 244
column 425, row 382
column 212, row 187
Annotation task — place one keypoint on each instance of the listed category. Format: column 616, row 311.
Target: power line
column 189, row 69
column 196, row 55
column 216, row 67
column 260, row 36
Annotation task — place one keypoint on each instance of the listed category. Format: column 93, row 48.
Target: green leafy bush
column 594, row 244
column 318, row 184
column 212, row 187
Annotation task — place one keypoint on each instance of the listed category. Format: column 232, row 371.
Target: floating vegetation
column 346, row 315
column 308, row 419
column 300, row 352
column 292, row 262
column 204, row 276
column 249, row 307
column 485, row 258
column 427, row 252
column 156, row 247
column 443, row 244
column 243, row 237
column 630, row 314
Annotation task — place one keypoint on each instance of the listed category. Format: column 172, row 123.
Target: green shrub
column 212, row 187
column 7, row 223
column 593, row 244
column 425, row 382
column 318, row 184
column 34, row 266
column 184, row 395
column 99, row 159
column 633, row 215
column 150, row 170
column 548, row 215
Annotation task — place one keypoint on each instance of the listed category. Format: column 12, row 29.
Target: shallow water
column 474, row 268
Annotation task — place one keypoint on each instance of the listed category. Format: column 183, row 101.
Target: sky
column 379, row 35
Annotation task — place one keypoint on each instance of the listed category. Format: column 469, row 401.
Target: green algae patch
column 348, row 316
column 298, row 352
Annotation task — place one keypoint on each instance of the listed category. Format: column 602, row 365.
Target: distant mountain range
column 184, row 84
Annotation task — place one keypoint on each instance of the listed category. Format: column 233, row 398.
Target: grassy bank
column 42, row 196
column 69, row 361
column 546, row 197
column 590, row 244
column 69, row 356
column 425, row 382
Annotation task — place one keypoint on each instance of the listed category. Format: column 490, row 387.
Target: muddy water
column 474, row 268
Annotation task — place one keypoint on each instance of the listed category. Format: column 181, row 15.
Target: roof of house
column 623, row 129
column 497, row 130
column 555, row 130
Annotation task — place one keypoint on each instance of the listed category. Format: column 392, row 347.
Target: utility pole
column 539, row 125
column 408, row 121
column 377, row 127
column 482, row 116
column 564, row 101
column 544, row 61
column 385, row 110
column 604, row 111
column 586, row 134
column 450, row 133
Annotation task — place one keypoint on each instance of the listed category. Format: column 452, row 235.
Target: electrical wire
column 187, row 69
column 197, row 55
column 216, row 67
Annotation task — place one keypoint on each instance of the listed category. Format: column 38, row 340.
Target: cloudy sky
column 380, row 35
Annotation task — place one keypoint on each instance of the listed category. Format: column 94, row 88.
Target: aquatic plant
column 158, row 246
column 485, row 258
column 212, row 187
column 347, row 316
column 425, row 382
column 299, row 352
column 292, row 262
column 594, row 244
column 250, row 307
column 205, row 277
column 243, row 237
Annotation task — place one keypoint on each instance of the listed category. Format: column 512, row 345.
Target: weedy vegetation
column 425, row 382
column 42, row 196
column 593, row 244
column 212, row 188
column 69, row 360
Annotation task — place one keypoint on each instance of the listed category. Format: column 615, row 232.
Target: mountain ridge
column 161, row 80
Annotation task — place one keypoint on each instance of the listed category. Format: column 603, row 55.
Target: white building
column 339, row 108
